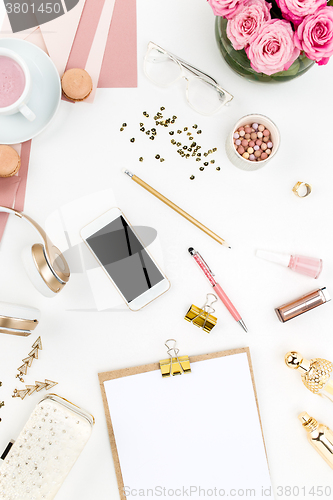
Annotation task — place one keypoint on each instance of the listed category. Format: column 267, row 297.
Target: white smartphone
column 126, row 261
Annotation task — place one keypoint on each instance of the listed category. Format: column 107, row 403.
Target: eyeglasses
column 203, row 93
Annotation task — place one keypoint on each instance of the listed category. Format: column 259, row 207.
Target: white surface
column 188, row 431
column 45, row 95
column 83, row 152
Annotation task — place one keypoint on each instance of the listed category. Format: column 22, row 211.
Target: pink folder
column 119, row 68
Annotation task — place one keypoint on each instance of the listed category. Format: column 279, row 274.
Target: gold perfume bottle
column 316, row 374
column 320, row 436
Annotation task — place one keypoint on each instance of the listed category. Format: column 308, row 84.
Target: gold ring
column 299, row 188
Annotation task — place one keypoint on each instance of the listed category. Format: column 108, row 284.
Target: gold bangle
column 300, row 185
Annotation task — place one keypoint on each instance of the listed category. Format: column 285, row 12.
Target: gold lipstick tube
column 319, row 436
column 303, row 304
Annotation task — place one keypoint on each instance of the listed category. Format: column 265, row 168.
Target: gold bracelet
column 299, row 187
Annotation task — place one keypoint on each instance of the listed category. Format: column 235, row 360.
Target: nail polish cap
column 278, row 258
column 309, row 423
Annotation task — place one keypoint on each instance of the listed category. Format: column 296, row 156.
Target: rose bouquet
column 275, row 35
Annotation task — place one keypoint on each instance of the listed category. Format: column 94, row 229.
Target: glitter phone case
column 45, row 451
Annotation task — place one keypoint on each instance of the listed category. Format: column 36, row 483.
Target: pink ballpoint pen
column 210, row 275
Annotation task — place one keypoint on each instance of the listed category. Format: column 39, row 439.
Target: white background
column 83, row 152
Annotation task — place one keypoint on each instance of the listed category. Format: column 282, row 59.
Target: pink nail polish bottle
column 309, row 266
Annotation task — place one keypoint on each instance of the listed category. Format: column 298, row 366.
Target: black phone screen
column 125, row 259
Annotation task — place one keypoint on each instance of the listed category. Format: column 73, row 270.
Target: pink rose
column 315, row 35
column 226, row 8
column 247, row 22
column 296, row 10
column 273, row 49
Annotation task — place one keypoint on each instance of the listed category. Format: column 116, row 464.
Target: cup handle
column 29, row 115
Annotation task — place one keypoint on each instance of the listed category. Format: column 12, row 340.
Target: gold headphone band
column 52, row 253
column 17, row 325
column 20, row 333
column 44, row 270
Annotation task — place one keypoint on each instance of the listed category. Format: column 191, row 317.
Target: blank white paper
column 194, row 435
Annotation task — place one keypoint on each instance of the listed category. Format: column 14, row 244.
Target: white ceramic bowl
column 236, row 158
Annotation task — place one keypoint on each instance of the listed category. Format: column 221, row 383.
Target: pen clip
column 203, row 260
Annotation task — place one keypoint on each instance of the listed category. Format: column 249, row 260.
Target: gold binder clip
column 175, row 365
column 202, row 317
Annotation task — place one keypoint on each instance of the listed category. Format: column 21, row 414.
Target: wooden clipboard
column 111, row 375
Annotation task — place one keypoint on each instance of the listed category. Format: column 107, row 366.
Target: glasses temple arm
column 195, row 70
column 198, row 72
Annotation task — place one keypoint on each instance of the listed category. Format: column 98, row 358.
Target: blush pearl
column 253, row 142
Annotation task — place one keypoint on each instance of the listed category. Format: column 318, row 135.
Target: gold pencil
column 175, row 207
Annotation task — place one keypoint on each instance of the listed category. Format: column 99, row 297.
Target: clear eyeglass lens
column 160, row 68
column 203, row 97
